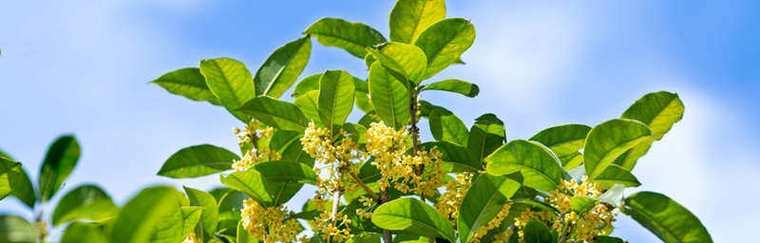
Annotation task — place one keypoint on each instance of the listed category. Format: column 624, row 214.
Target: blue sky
column 83, row 67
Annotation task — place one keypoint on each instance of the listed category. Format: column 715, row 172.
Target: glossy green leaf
column 362, row 95
column 409, row 18
column 564, row 140
column 412, row 216
column 7, row 168
column 307, row 84
column 483, row 201
column 279, row 114
column 60, row 160
column 336, row 97
column 444, row 42
column 84, row 233
column 607, row 141
column 188, row 83
column 288, row 145
column 455, row 86
column 447, row 127
column 210, row 213
column 459, row 156
column 139, row 220
column 243, row 236
column 191, row 217
column 22, row 186
column 308, row 104
column 15, row 229
column 666, row 218
column 231, row 83
column 539, row 167
column 658, row 110
column 282, row 68
column 86, row 202
column 271, row 183
column 405, row 60
column 537, row 232
column 390, row 97
column 486, row 135
column 198, row 160
column 614, row 174
column 352, row 37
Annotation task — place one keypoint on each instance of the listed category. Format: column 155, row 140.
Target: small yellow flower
column 191, row 238
column 270, row 224
column 448, row 204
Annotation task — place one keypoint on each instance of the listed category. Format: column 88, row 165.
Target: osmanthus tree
column 377, row 179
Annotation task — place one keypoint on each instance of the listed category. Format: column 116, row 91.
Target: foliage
column 373, row 179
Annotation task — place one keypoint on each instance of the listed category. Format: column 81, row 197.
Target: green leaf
column 282, row 68
column 191, row 217
column 198, row 160
column 390, row 97
column 362, row 95
column 231, row 83
column 537, row 232
column 614, row 174
column 455, row 86
column 486, row 135
column 279, row 114
column 444, row 42
column 539, row 166
column 658, row 110
column 188, row 83
column 564, row 140
column 666, row 218
column 210, row 214
column 405, row 60
column 607, row 141
column 307, row 84
column 409, row 18
column 483, row 201
column 22, row 186
column 608, row 239
column 84, row 233
column 352, row 37
column 447, row 127
column 15, row 229
column 308, row 104
column 60, row 160
column 141, row 217
column 86, row 202
column 459, row 156
column 7, row 168
column 581, row 204
column 412, row 216
column 243, row 236
column 271, row 183
column 336, row 97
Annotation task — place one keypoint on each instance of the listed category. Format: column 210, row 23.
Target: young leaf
column 210, row 213
column 486, row 135
column 198, row 160
column 282, row 68
column 60, row 160
column 230, row 81
column 389, row 95
column 191, row 216
column 279, row 114
column 666, row 218
column 563, row 140
column 87, row 202
column 405, row 60
column 188, row 83
column 139, row 220
column 455, row 86
column 307, row 84
column 539, row 167
column 409, row 18
column 17, row 230
column 614, row 174
column 336, row 97
column 412, row 216
column 483, row 201
column 352, row 37
column 271, row 183
column 444, row 42
column 447, row 127
column 84, row 233
column 607, row 141
column 659, row 110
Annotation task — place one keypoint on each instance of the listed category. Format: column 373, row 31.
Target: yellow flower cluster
column 494, row 223
column 191, row 238
column 270, row 224
column 389, row 148
column 367, row 203
column 448, row 204
column 335, row 229
column 251, row 135
column 527, row 215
